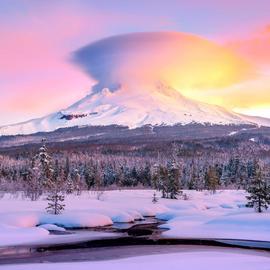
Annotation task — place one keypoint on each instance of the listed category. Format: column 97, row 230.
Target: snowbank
column 81, row 211
column 52, row 227
column 10, row 235
column 219, row 216
column 204, row 215
column 76, row 220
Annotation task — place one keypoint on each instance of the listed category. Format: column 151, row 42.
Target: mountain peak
column 133, row 106
column 138, row 77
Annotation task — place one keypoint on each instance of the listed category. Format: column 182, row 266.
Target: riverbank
column 111, row 242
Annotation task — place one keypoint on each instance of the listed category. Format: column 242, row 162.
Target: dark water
column 118, row 252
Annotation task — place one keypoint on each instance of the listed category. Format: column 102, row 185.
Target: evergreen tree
column 251, row 168
column 155, row 177
column 154, row 199
column 55, row 203
column 44, row 167
column 98, row 179
column 120, row 177
column 89, row 177
column 98, row 182
column 41, row 173
column 201, row 180
column 69, row 185
column 31, row 187
column 77, row 181
column 225, row 176
column 109, row 176
column 56, row 185
column 56, row 171
column 67, row 168
column 194, row 178
column 242, row 177
column 163, row 181
column 173, row 179
column 259, row 191
column 145, row 176
column 134, row 176
column 211, row 179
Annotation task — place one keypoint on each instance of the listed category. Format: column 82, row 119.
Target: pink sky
column 38, row 37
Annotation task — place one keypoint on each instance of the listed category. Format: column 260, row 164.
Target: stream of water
column 121, row 240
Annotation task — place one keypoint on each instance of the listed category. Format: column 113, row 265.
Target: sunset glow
column 226, row 62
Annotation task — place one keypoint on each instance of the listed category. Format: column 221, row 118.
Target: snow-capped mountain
column 157, row 105
column 136, row 76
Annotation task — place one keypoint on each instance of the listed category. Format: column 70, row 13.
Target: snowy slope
column 134, row 107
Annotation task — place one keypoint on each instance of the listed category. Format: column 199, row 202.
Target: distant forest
column 225, row 162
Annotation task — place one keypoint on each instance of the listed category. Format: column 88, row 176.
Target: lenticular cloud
column 182, row 61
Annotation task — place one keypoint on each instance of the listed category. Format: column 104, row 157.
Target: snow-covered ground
column 203, row 215
column 185, row 260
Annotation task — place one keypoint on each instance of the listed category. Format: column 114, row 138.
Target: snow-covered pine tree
column 32, row 188
column 67, row 168
column 200, row 179
column 155, row 176
column 56, row 193
column 40, row 173
column 173, row 179
column 50, row 179
column 154, row 199
column 77, row 181
column 225, row 176
column 44, row 167
column 120, row 177
column 98, row 184
column 69, row 185
column 31, row 185
column 57, row 173
column 89, row 177
column 259, row 191
column 133, row 177
column 55, row 203
column 109, row 175
column 163, row 181
column 242, row 177
column 194, row 178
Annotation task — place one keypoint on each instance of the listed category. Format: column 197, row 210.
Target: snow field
column 203, row 215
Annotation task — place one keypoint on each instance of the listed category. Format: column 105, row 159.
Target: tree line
column 58, row 174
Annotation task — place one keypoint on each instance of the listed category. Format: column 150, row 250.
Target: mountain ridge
column 126, row 107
